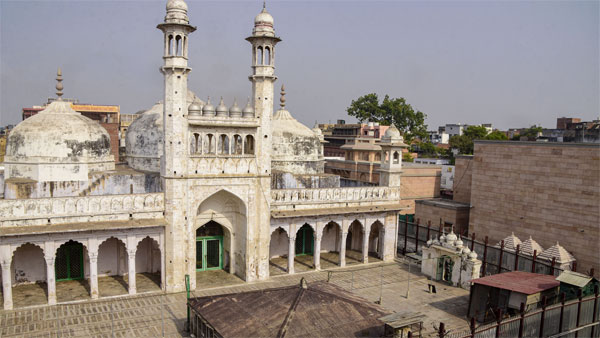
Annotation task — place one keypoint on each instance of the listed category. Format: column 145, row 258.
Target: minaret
column 176, row 28
column 263, row 77
column 390, row 170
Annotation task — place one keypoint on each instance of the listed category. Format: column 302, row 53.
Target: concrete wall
column 550, row 191
column 462, row 179
column 329, row 241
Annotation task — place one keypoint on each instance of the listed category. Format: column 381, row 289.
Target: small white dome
column 264, row 18
column 176, row 4
column 392, row 132
column 451, row 237
column 473, row 255
column 208, row 109
column 222, row 110
column 195, row 108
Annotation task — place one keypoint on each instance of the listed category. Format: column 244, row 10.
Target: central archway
column 219, row 235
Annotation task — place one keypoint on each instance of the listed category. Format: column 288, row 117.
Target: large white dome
column 145, row 137
column 57, row 144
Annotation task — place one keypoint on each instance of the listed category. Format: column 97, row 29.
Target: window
column 249, row 145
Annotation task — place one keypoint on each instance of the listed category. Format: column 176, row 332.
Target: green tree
column 390, row 111
column 532, row 132
column 496, row 135
column 463, row 143
column 475, row 132
column 407, row 158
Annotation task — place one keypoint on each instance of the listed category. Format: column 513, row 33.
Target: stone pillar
column 317, row 253
column 7, row 284
column 343, row 249
column 291, row 253
column 93, row 274
column 131, row 268
column 51, row 280
column 365, row 245
column 382, row 243
column 162, row 262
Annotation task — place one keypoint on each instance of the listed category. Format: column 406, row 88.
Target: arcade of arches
column 87, row 265
column 329, row 242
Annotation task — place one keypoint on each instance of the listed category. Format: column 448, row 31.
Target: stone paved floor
column 27, row 295
column 152, row 314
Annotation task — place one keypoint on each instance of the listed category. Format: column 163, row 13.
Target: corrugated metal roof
column 574, row 278
column 519, row 281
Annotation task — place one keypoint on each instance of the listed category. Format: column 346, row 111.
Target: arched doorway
column 209, row 247
column 28, row 269
column 354, row 241
column 444, row 269
column 278, row 252
column 69, row 262
column 112, row 266
column 376, row 240
column 148, row 265
column 305, row 240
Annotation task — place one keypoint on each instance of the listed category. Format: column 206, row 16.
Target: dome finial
column 59, row 85
column 265, row 5
column 282, row 97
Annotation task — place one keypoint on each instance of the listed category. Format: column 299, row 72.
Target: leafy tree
column 390, row 111
column 532, row 132
column 463, row 143
column 475, row 132
column 407, row 158
column 496, row 135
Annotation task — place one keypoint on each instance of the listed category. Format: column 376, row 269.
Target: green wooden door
column 209, row 253
column 305, row 241
column 69, row 262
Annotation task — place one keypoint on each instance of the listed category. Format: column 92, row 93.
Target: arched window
column 210, row 144
column 237, row 144
column 249, row 145
column 193, row 148
column 224, row 144
column 259, row 56
column 185, row 42
column 170, row 45
column 396, row 157
column 197, row 144
column 267, row 56
column 377, row 157
column 179, row 49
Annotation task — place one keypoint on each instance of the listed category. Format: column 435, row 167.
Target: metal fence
column 577, row 318
column 495, row 259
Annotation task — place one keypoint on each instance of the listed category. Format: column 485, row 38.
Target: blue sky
column 512, row 64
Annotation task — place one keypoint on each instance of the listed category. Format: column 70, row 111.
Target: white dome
column 57, row 135
column 296, row 148
column 145, row 137
column 392, row 132
column 176, row 4
column 263, row 24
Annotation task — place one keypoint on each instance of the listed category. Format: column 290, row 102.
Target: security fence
column 495, row 259
column 577, row 318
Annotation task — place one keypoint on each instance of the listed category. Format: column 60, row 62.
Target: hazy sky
column 512, row 64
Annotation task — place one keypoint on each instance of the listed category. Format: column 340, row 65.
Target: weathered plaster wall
column 330, row 239
column 28, row 265
column 279, row 244
column 282, row 180
column 112, row 258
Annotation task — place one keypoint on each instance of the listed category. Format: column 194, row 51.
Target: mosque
column 204, row 188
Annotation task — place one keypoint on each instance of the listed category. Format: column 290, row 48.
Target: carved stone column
column 365, row 245
column 7, row 284
column 131, row 274
column 317, row 253
column 343, row 249
column 51, row 280
column 291, row 253
column 93, row 274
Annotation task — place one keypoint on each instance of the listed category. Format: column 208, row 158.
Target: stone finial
column 282, row 97
column 265, row 4
column 59, row 85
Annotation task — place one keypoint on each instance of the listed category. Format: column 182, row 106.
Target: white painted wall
column 28, row 265
column 112, row 258
column 279, row 244
column 147, row 257
column 330, row 239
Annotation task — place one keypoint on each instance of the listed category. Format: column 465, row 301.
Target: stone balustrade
column 44, row 211
column 281, row 198
column 222, row 164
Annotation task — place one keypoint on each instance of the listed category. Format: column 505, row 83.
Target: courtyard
column 157, row 314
